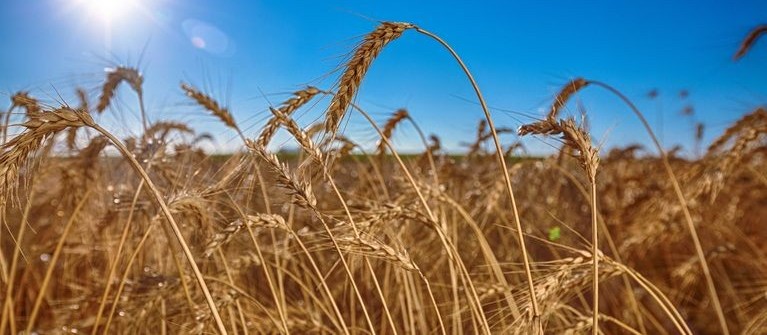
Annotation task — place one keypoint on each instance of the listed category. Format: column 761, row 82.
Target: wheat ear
column 212, row 106
column 749, row 41
column 39, row 127
column 258, row 221
column 357, row 67
column 113, row 79
column 287, row 108
column 564, row 95
column 577, row 138
column 388, row 128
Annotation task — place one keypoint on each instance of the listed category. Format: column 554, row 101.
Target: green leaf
column 555, row 233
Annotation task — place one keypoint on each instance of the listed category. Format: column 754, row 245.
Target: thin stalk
column 595, row 256
column 611, row 244
column 492, row 261
column 323, row 283
column 264, row 267
column 341, row 199
column 123, row 280
column 52, row 263
column 367, row 261
column 429, row 156
column 163, row 323
column 179, row 269
column 660, row 298
column 309, row 294
column 7, row 123
column 346, row 267
column 8, row 301
column 174, row 226
column 685, row 208
column 316, row 269
column 116, row 262
column 231, row 281
column 269, row 281
column 244, row 294
column 447, row 244
column 505, row 172
column 277, row 260
column 144, row 121
column 279, row 299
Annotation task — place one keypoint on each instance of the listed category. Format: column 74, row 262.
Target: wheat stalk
column 576, row 138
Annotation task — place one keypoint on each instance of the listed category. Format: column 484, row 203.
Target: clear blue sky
column 521, row 53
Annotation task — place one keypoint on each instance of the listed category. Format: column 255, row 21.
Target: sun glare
column 108, row 10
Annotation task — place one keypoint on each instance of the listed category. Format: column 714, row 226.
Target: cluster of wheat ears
column 166, row 238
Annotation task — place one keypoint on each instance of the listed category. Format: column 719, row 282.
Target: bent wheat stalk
column 168, row 216
column 350, row 81
column 42, row 125
column 578, row 139
column 499, row 154
column 682, row 201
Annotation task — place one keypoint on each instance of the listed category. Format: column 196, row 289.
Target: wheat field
column 152, row 235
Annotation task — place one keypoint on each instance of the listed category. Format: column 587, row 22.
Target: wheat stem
column 53, row 263
column 123, row 280
column 595, row 257
column 168, row 216
column 8, row 301
column 116, row 260
column 499, row 154
column 685, row 207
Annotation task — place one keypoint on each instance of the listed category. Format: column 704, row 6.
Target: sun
column 108, row 10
